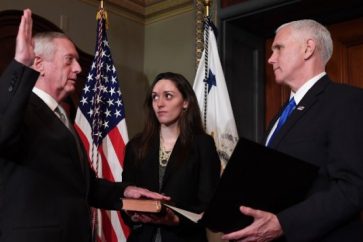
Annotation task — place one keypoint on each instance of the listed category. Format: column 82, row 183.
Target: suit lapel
column 310, row 98
column 41, row 109
column 44, row 113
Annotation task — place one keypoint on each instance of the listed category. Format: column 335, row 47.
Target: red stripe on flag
column 118, row 144
column 107, row 228
column 106, row 170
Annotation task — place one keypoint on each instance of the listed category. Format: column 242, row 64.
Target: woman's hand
column 168, row 217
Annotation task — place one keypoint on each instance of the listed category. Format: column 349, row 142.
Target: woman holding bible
column 174, row 156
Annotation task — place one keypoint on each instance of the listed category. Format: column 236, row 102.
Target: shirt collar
column 305, row 88
column 49, row 100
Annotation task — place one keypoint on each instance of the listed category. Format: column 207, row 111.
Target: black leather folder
column 257, row 177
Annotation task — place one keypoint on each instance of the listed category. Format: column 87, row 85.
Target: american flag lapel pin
column 300, row 108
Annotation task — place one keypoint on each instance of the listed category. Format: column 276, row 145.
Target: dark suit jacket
column 326, row 129
column 45, row 188
column 190, row 184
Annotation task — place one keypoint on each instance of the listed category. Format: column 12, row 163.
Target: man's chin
column 279, row 80
column 70, row 89
column 71, row 85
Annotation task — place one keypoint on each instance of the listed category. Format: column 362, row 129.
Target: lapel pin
column 300, row 108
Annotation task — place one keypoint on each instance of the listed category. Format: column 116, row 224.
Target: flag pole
column 207, row 4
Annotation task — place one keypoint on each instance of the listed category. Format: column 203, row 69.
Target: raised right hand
column 24, row 51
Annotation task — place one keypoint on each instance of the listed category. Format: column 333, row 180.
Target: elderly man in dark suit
column 46, row 185
column 323, row 126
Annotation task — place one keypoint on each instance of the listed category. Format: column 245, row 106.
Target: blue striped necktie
column 285, row 114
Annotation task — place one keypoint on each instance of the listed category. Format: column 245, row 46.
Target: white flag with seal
column 220, row 122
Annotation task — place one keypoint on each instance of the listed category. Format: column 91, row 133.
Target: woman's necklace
column 164, row 154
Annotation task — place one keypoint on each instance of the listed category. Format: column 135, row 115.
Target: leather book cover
column 141, row 205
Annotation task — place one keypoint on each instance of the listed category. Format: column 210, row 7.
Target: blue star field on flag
column 101, row 101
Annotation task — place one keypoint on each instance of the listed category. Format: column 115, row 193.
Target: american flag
column 100, row 122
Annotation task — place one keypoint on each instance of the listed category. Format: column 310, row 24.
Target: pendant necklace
column 164, row 154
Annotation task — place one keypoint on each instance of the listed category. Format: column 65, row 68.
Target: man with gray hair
column 323, row 126
column 46, row 184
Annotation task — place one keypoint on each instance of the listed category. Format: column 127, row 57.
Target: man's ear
column 310, row 48
column 38, row 65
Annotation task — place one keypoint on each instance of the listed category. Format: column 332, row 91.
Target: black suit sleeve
column 105, row 194
column 16, row 84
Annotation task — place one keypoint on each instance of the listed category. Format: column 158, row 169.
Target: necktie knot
column 61, row 116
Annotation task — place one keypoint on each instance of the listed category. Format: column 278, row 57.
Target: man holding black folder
column 321, row 124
